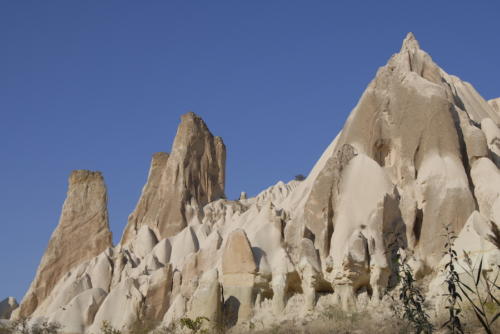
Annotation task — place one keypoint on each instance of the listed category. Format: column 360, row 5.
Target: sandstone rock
column 422, row 158
column 187, row 179
column 190, row 275
column 149, row 203
column 238, row 269
column 206, row 300
column 163, row 250
column 7, row 306
column 486, row 178
column 100, row 271
column 158, row 294
column 79, row 313
column 183, row 244
column 70, row 286
column 276, row 193
column 473, row 138
column 144, row 242
column 238, row 257
column 217, row 213
column 495, row 104
column 473, row 239
column 318, row 210
column 418, row 151
column 364, row 188
column 310, row 271
column 127, row 299
column 492, row 133
column 176, row 311
column 82, row 234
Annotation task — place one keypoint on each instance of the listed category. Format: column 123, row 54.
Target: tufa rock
column 82, row 234
column 181, row 183
column 420, row 150
column 495, row 104
column 238, row 270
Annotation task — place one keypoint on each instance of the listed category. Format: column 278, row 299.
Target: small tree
column 477, row 299
column 299, row 177
column 106, row 328
column 452, row 282
column 194, row 325
column 46, row 327
column 22, row 326
column 413, row 301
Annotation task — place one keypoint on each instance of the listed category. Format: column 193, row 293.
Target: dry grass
column 334, row 320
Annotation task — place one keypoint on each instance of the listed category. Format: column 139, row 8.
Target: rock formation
column 82, row 234
column 495, row 104
column 180, row 184
column 7, row 306
column 419, row 151
column 238, row 269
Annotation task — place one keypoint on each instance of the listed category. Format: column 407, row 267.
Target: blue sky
column 100, row 85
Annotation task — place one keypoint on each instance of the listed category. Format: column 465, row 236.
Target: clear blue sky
column 101, row 84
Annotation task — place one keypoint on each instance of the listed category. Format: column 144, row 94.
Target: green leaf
column 472, row 303
column 479, row 271
column 485, row 325
column 466, row 286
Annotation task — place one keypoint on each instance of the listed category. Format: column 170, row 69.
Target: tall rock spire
column 407, row 121
column 83, row 233
column 181, row 183
column 410, row 42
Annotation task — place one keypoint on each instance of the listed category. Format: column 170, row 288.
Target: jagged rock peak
column 159, row 159
column 410, row 42
column 84, row 176
column 82, row 233
column 180, row 184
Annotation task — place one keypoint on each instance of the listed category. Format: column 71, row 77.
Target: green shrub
column 106, row 328
column 452, row 282
column 22, row 326
column 194, row 325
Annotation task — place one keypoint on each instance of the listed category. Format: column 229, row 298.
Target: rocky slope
column 420, row 150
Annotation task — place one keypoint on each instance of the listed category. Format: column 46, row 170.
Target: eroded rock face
column 420, row 150
column 149, row 203
column 158, row 294
column 238, row 270
column 180, row 184
column 79, row 313
column 318, row 210
column 495, row 104
column 363, row 220
column 492, row 134
column 82, row 233
column 206, row 300
column 425, row 160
